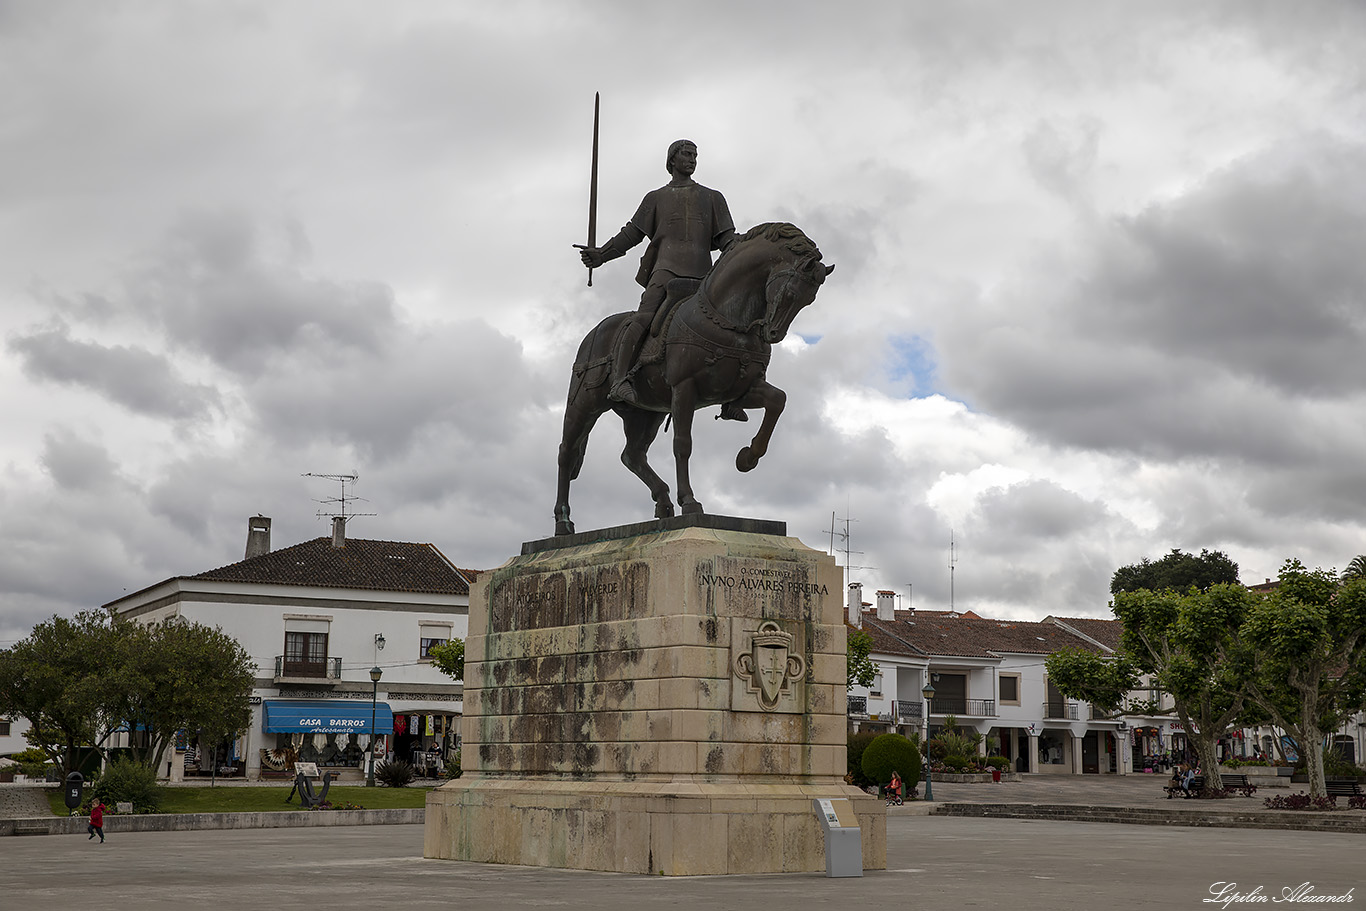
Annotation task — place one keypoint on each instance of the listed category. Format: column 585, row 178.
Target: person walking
column 96, row 826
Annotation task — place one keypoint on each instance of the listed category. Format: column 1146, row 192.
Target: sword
column 593, row 190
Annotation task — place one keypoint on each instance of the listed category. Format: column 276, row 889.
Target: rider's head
column 674, row 148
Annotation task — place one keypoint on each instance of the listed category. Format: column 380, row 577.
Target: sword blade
column 593, row 187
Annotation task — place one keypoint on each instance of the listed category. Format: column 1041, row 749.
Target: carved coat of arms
column 769, row 667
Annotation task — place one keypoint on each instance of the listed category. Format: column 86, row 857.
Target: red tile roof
column 373, row 565
column 937, row 633
column 1106, row 632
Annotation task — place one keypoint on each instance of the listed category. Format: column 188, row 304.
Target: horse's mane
column 787, row 236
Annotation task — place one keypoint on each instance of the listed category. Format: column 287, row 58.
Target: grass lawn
column 267, row 798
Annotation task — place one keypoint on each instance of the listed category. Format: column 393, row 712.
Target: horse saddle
column 675, row 292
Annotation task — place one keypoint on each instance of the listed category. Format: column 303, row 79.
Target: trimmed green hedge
column 892, row 753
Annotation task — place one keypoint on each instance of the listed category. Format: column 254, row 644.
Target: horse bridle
column 799, row 272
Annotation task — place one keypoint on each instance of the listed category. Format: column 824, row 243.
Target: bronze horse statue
column 710, row 346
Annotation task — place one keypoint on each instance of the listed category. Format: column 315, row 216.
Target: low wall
column 185, row 822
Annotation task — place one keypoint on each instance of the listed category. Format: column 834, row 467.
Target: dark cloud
column 229, row 287
column 76, row 464
column 137, row 379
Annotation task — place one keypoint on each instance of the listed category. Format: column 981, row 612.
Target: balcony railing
column 858, row 706
column 953, row 705
column 326, row 669
column 1066, row 710
column 908, row 710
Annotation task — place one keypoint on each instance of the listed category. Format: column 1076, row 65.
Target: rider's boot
column 731, row 411
column 628, row 345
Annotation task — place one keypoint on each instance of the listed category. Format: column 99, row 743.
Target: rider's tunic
column 684, row 224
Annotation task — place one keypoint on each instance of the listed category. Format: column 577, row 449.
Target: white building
column 989, row 676
column 12, row 728
column 316, row 618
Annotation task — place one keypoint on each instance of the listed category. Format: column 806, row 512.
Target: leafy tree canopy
column 1309, row 638
column 78, row 680
column 862, row 669
column 450, row 658
column 1087, row 675
column 1177, row 571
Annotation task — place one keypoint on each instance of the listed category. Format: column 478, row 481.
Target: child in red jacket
column 96, row 826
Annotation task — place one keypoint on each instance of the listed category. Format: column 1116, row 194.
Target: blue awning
column 325, row 716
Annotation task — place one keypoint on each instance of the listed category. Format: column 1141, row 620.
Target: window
column 4, row 727
column 876, row 688
column 1010, row 688
column 305, row 654
column 431, row 635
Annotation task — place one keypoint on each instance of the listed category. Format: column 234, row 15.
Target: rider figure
column 685, row 221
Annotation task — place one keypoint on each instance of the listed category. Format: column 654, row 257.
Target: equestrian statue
column 703, row 334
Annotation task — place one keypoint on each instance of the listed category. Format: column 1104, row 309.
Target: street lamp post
column 375, row 674
column 928, row 692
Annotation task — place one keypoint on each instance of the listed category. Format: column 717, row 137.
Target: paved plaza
column 933, row 862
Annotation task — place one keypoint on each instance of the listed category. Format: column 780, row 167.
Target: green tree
column 1092, row 677
column 1188, row 644
column 1356, row 569
column 1309, row 639
column 862, row 669
column 449, row 658
column 57, row 678
column 180, row 676
column 1178, row 571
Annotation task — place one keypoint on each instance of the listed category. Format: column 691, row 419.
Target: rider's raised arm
column 615, row 248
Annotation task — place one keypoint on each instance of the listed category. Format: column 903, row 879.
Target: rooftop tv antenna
column 845, row 538
column 342, row 500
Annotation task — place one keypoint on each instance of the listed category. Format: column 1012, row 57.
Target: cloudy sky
column 1101, row 284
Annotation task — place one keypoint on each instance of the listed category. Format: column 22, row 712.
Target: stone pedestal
column 666, row 701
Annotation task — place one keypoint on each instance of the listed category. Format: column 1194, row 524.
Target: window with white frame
column 1010, row 689
column 876, row 688
column 430, row 635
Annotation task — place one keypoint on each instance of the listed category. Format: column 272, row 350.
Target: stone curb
column 185, row 822
column 1294, row 820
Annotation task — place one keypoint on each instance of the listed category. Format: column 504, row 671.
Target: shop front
column 427, row 738
column 335, row 734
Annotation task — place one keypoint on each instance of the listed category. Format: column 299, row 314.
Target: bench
column 1197, row 785
column 1237, row 783
column 1342, row 787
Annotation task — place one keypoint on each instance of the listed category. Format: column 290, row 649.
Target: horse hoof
column 692, row 509
column 664, row 511
column 564, row 528
column 745, row 460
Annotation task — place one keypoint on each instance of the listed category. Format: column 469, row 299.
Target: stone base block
column 675, row 828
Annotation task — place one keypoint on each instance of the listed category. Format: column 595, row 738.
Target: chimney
column 856, row 603
column 886, row 605
column 258, row 537
column 339, row 532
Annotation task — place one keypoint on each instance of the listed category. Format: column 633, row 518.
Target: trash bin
column 74, row 785
column 995, row 774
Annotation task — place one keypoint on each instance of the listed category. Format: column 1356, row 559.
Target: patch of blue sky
column 912, row 363
column 809, row 339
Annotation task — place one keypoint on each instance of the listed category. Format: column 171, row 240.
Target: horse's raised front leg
column 772, row 400
column 682, row 405
column 641, row 428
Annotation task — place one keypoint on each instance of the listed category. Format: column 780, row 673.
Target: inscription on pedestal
column 571, row 597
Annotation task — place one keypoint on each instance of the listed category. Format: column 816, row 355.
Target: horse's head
column 790, row 287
